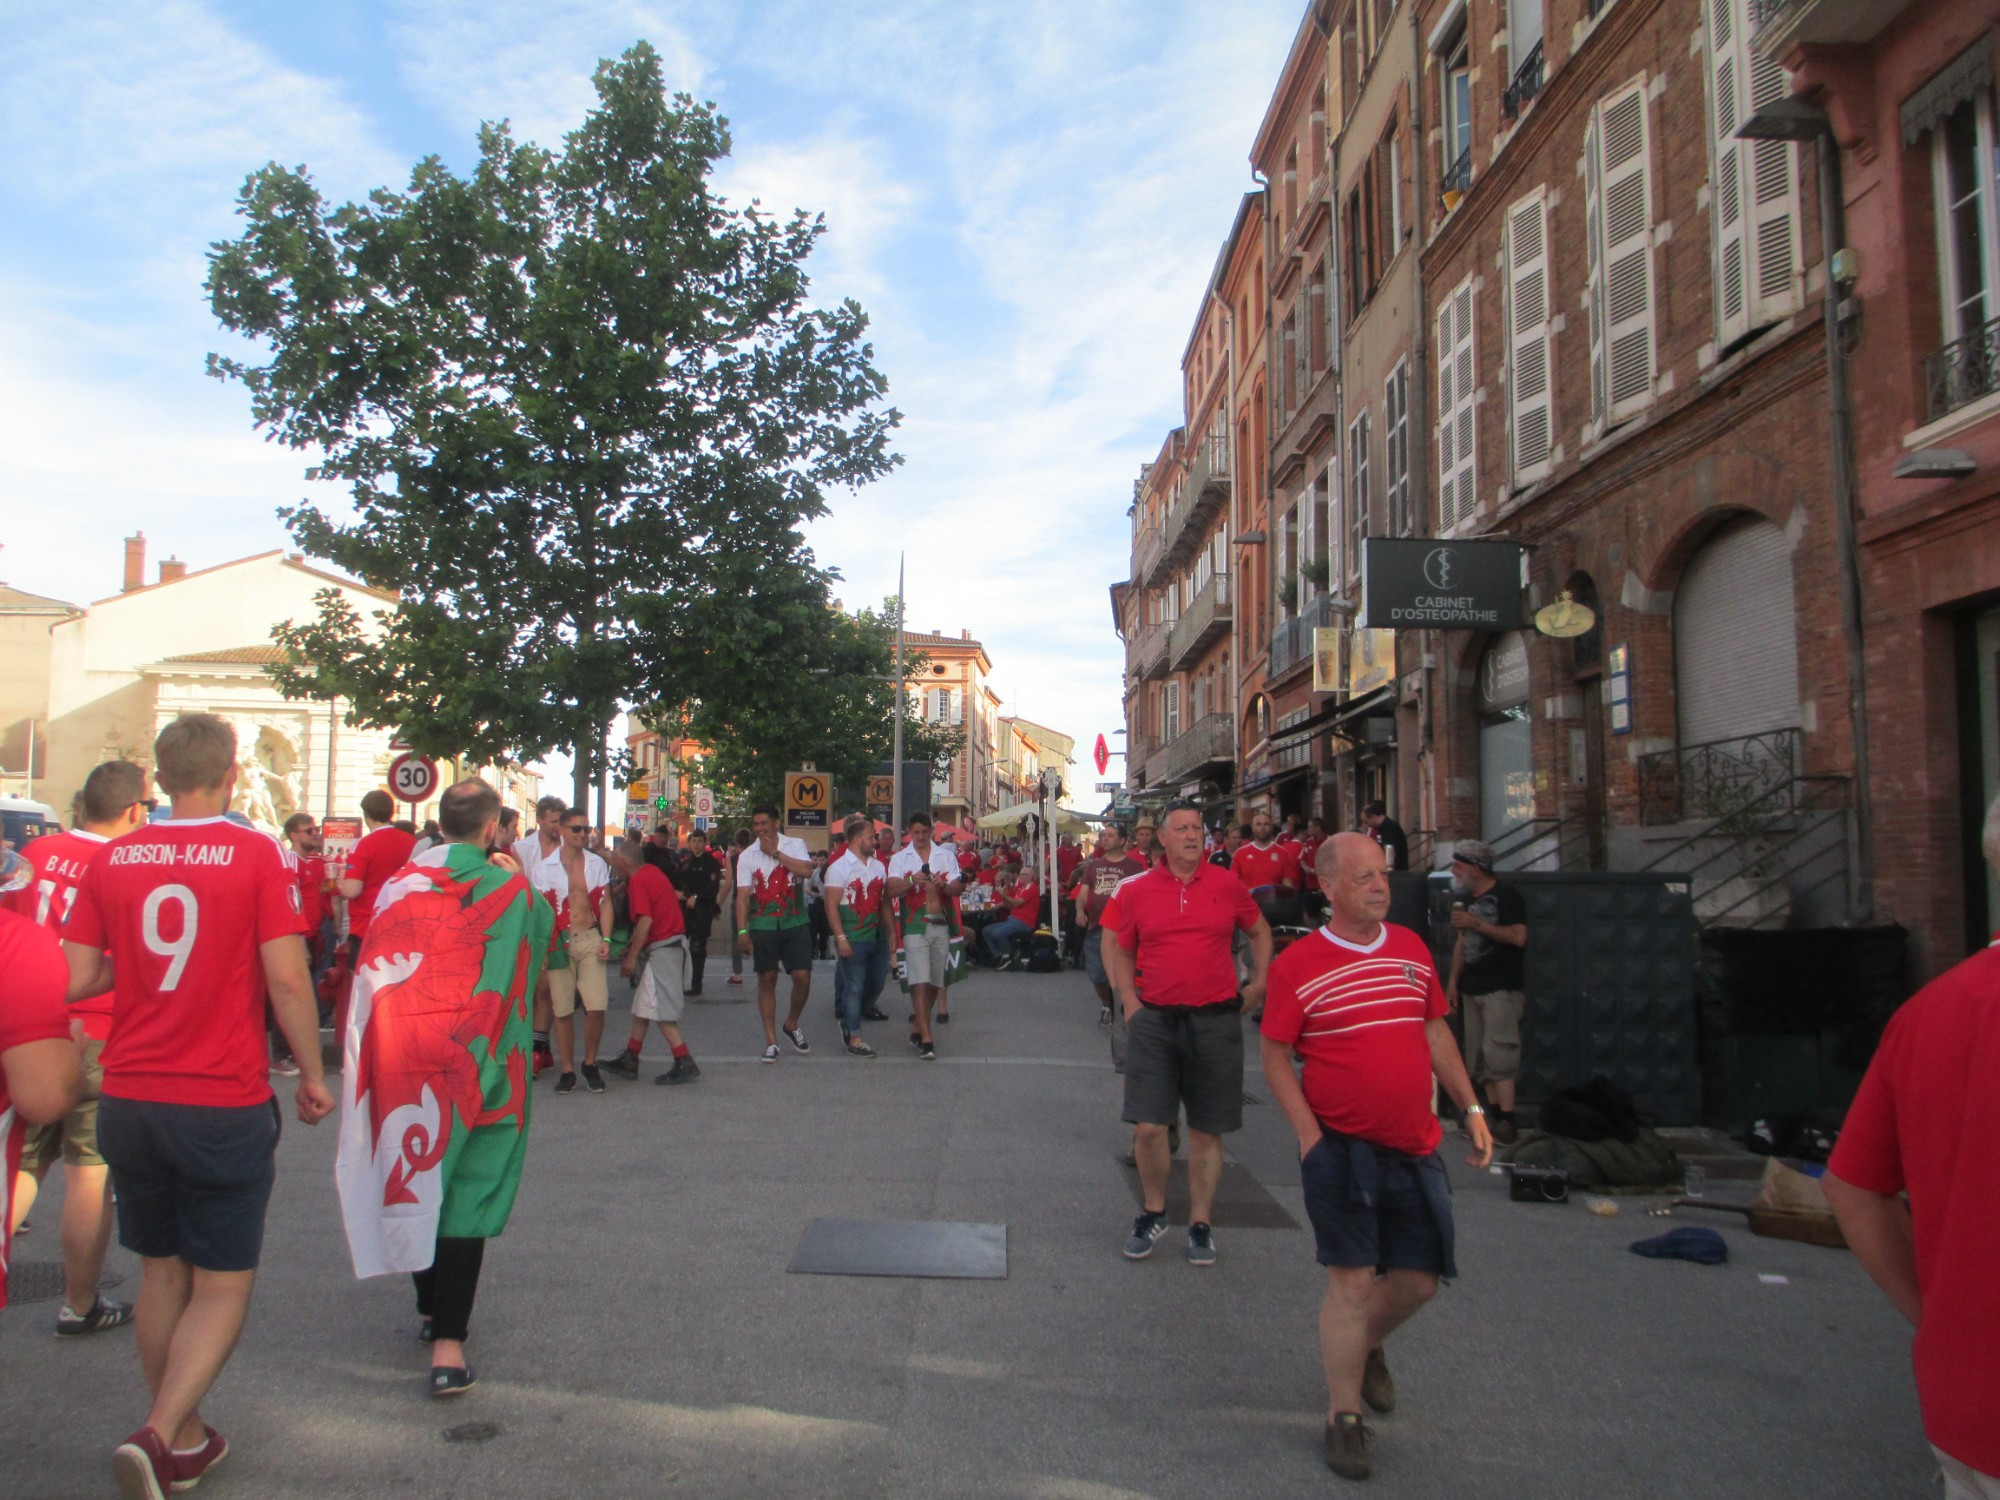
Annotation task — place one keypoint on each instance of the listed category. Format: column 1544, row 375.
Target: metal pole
column 332, row 748
column 896, row 754
column 1862, row 881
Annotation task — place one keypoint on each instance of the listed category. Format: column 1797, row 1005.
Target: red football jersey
column 378, row 856
column 185, row 906
column 31, row 1010
column 1261, row 867
column 312, row 890
column 60, row 860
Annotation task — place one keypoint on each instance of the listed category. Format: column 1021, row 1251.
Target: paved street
column 637, row 1332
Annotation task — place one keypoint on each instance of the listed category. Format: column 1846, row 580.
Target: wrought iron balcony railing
column 1527, row 83
column 1292, row 640
column 1718, row 779
column 1962, row 371
column 1201, row 623
column 1205, row 742
column 1458, row 176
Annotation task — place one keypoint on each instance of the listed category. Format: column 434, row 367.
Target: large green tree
column 582, row 409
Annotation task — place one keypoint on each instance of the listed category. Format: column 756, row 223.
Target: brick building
column 1909, row 89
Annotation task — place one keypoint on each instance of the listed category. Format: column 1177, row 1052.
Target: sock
column 635, row 1045
column 681, row 1053
column 541, row 1041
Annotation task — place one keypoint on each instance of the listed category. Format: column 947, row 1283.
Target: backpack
column 1043, row 955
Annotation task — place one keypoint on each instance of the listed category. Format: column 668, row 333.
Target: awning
column 1966, row 76
column 1381, row 701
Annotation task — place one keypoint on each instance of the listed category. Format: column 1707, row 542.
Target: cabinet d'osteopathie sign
column 1414, row 583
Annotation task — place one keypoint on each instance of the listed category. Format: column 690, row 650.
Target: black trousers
column 700, row 920
column 446, row 1290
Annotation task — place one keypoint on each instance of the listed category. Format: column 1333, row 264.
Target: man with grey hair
column 1916, row 1188
column 1491, row 921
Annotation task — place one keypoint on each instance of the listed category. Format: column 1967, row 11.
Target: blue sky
column 1027, row 198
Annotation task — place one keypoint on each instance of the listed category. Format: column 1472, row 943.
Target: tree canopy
column 582, row 409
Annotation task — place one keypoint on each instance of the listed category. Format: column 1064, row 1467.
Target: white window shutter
column 1772, row 207
column 1593, row 215
column 1457, row 386
column 1726, row 51
column 1626, row 172
column 1447, row 405
column 957, row 696
column 1528, row 398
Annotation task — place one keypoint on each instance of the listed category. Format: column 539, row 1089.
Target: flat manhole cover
column 42, row 1280
column 472, row 1432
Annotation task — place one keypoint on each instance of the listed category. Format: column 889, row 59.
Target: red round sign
column 413, row 778
column 1101, row 755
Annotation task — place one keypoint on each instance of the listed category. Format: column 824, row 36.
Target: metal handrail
column 1783, row 800
column 1962, row 371
column 1458, row 176
column 1717, row 777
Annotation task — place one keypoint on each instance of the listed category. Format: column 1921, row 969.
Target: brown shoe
column 1378, row 1386
column 1347, row 1446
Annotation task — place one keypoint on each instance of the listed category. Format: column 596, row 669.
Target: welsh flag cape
column 434, row 1090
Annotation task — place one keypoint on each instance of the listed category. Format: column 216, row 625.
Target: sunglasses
column 576, row 828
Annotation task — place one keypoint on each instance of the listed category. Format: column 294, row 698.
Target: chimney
column 964, row 635
column 173, row 568
column 135, row 562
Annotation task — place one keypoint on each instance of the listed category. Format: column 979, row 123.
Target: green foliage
column 581, row 409
column 824, row 692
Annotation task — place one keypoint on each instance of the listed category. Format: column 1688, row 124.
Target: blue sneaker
column 1146, row 1232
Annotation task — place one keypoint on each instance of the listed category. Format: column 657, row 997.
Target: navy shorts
column 193, row 1180
column 786, row 949
column 1399, row 1232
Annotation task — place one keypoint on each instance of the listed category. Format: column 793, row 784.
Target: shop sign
column 1503, row 673
column 1441, row 585
column 1371, row 661
column 1326, row 658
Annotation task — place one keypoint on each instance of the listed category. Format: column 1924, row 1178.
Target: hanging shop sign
column 1371, row 661
column 1441, row 585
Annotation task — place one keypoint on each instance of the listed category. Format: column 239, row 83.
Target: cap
column 1472, row 852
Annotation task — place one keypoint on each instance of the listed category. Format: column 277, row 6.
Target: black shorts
column 1399, row 1232
column 785, row 948
column 1177, row 1056
column 192, row 1180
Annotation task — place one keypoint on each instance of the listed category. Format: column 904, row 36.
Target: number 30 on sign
column 412, row 778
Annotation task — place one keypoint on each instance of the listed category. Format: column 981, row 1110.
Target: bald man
column 1359, row 1005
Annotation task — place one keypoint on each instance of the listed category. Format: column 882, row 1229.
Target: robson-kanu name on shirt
column 172, row 854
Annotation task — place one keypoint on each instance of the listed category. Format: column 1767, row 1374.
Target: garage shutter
column 1736, row 668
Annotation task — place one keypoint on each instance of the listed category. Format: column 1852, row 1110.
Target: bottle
column 1696, row 1181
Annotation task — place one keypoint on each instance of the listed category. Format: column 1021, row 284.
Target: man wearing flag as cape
column 434, row 1092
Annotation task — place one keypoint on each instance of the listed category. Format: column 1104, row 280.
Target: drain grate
column 472, row 1432
column 42, row 1280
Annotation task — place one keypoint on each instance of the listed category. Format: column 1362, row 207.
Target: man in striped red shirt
column 1359, row 1004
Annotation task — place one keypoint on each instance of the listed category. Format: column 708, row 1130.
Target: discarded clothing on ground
column 1704, row 1246
column 1646, row 1163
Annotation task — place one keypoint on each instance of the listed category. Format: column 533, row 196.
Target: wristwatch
column 1475, row 1109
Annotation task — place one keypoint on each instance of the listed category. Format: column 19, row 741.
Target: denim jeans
column 999, row 938
column 858, row 981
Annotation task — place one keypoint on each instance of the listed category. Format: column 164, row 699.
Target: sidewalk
column 637, row 1333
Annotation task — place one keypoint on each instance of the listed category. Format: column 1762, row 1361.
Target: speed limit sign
column 413, row 778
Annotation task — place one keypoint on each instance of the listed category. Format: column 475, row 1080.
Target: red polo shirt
column 1180, row 932
column 1918, row 1126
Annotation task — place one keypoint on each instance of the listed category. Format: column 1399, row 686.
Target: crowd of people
column 452, row 962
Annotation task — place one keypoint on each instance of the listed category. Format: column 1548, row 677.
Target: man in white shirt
column 530, row 850
column 924, row 882
column 854, row 887
column 577, row 882
column 772, row 925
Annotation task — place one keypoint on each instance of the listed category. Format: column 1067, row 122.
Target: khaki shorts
column 1493, row 1034
column 661, row 993
column 927, row 956
column 73, row 1138
column 583, row 979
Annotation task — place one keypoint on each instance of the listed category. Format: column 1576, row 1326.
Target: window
column 1457, row 388
column 1291, row 181
column 1524, row 35
column 1755, row 208
column 1528, row 406
column 1357, row 489
column 1396, row 448
column 1171, row 714
column 1962, row 176
column 1455, row 114
column 1619, row 215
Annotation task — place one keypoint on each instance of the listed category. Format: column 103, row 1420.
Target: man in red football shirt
column 1359, row 1003
column 1916, row 1187
column 384, row 849
column 41, row 1071
column 111, row 805
column 656, row 961
column 204, row 917
column 1185, row 1045
column 1269, row 867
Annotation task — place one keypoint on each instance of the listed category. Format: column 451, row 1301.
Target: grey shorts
column 1093, row 956
column 786, row 949
column 927, row 957
column 1493, row 1034
column 660, row 994
column 1177, row 1056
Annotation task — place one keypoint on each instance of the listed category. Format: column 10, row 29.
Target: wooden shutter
column 1625, row 172
column 1593, row 216
column 1457, row 471
column 1726, row 111
column 1772, row 202
column 1528, row 401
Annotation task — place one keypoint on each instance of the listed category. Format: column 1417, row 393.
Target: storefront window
column 1506, row 740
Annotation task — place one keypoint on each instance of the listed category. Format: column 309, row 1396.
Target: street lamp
column 1798, row 121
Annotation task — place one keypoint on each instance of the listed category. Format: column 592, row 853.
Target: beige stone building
column 25, row 623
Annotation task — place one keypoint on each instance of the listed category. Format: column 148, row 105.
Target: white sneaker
column 771, row 1053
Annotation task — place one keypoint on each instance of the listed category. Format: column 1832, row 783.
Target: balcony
column 1156, row 766
column 1206, row 743
column 1962, row 372
column 1147, row 554
column 1206, row 620
column 1719, row 779
column 1146, row 656
column 1204, row 491
column 1527, row 83
column 1292, row 640
column 1777, row 25
column 1457, row 178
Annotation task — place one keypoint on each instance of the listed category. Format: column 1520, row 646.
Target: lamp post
column 1800, row 121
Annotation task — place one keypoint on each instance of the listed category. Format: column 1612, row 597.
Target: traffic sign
column 413, row 778
column 1101, row 755
column 1110, row 788
column 704, row 802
